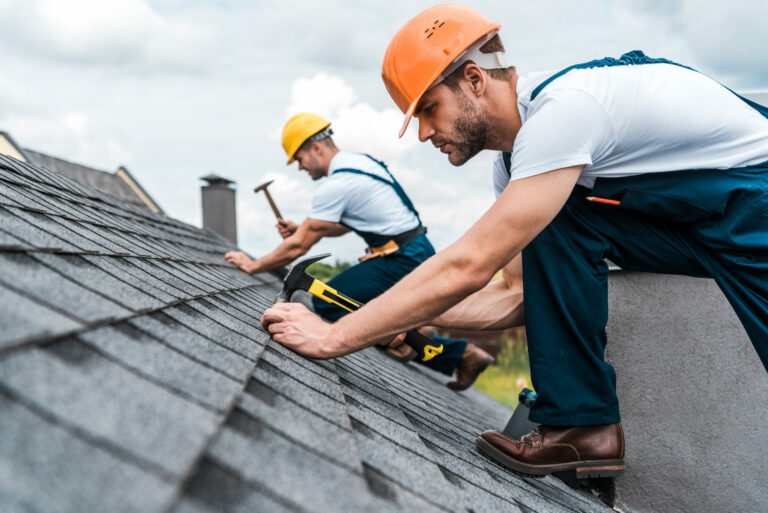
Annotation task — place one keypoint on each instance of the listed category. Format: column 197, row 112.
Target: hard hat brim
column 490, row 28
column 408, row 116
column 298, row 130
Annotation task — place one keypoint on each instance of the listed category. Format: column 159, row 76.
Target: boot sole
column 584, row 469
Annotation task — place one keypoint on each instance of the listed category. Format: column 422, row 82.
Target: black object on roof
column 135, row 377
column 214, row 179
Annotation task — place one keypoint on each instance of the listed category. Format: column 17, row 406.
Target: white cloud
column 729, row 38
column 69, row 136
column 121, row 33
column 85, row 80
column 322, row 94
column 357, row 126
column 75, row 122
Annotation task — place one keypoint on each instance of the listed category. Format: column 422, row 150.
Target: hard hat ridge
column 301, row 128
column 426, row 46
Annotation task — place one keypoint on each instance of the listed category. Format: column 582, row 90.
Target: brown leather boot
column 473, row 361
column 592, row 451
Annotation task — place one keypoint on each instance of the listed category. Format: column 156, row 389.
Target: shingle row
column 135, row 376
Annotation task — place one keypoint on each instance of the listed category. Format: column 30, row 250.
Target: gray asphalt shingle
column 83, row 272
column 325, row 486
column 24, row 319
column 51, row 464
column 9, row 242
column 30, row 234
column 296, row 422
column 187, row 376
column 85, row 391
column 187, row 341
column 23, row 272
column 135, row 376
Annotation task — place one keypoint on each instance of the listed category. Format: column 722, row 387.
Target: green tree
column 325, row 272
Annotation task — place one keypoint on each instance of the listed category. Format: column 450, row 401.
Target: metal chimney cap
column 213, row 179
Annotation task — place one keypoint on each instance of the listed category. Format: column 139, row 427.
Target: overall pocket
column 665, row 206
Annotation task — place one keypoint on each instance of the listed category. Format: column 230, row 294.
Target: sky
column 178, row 89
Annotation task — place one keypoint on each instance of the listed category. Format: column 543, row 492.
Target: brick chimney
column 219, row 215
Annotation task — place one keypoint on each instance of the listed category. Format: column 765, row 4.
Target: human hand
column 286, row 227
column 240, row 259
column 395, row 342
column 294, row 326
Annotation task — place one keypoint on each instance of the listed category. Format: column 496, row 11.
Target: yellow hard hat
column 300, row 128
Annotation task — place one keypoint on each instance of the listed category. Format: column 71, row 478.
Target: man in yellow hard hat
column 640, row 160
column 356, row 192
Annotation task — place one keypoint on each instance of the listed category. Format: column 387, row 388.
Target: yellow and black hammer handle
column 424, row 346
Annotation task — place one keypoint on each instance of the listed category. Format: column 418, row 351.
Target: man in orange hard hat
column 640, row 160
column 356, row 192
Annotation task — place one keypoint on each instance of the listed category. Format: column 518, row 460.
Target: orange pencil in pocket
column 603, row 200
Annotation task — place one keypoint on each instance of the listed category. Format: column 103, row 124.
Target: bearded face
column 469, row 131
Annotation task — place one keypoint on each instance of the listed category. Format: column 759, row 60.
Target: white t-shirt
column 358, row 201
column 627, row 120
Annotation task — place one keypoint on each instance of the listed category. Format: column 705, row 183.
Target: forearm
column 288, row 251
column 497, row 306
column 521, row 212
column 444, row 280
column 412, row 302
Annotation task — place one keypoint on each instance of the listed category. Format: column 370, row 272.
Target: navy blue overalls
column 703, row 223
column 369, row 279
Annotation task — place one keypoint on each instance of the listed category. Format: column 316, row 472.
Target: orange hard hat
column 425, row 47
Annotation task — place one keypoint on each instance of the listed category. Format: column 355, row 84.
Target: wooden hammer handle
column 272, row 204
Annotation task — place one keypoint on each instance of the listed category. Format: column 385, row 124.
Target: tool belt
column 392, row 245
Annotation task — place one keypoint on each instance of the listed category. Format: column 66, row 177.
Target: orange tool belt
column 392, row 245
column 387, row 249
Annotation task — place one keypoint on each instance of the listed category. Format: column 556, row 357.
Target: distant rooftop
column 121, row 184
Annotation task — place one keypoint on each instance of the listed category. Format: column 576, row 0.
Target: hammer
column 299, row 279
column 263, row 187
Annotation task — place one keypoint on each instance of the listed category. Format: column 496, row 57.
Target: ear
column 476, row 78
column 316, row 147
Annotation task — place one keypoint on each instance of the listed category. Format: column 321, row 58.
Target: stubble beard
column 470, row 132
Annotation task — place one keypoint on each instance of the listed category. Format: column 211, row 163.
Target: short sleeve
column 565, row 127
column 500, row 175
column 330, row 201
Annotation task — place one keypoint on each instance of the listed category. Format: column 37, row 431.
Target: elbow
column 296, row 252
column 468, row 275
column 295, row 249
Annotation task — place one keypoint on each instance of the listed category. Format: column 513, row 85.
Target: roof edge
column 24, row 155
column 128, row 178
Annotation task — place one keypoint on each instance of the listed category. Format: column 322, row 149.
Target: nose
column 426, row 131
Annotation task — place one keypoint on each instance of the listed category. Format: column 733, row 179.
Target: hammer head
column 298, row 278
column 262, row 186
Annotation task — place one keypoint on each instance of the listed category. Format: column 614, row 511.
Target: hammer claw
column 299, row 279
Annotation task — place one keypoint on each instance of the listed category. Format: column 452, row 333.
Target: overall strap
column 632, row 58
column 394, row 184
column 506, row 156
